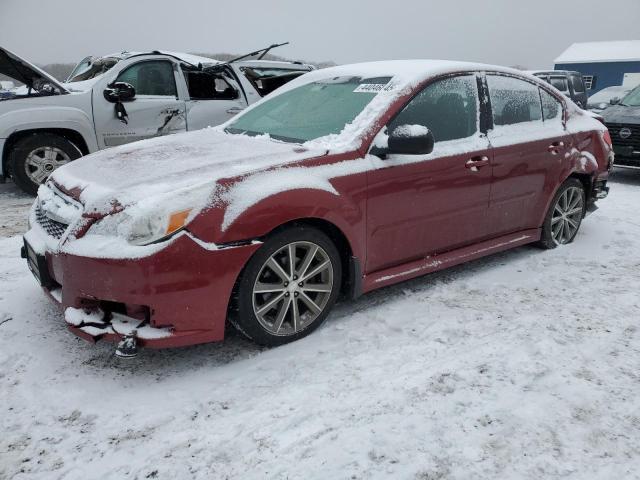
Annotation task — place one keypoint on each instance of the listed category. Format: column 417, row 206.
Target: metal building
column 603, row 64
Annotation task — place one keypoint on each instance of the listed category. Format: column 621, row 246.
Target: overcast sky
column 507, row 32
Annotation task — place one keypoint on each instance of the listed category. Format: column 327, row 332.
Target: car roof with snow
column 186, row 57
column 404, row 72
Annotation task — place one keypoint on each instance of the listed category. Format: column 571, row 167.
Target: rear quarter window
column 551, row 107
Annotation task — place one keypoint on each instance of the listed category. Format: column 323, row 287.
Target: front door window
column 449, row 108
column 154, row 78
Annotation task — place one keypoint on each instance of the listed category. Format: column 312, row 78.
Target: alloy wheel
column 293, row 288
column 42, row 161
column 567, row 215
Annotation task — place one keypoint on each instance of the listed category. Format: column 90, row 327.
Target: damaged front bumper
column 95, row 324
column 178, row 295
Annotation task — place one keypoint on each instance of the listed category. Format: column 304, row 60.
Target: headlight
column 155, row 227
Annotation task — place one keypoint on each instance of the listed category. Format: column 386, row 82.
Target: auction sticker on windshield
column 373, row 87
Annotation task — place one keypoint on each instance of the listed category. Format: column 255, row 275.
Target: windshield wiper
column 250, row 133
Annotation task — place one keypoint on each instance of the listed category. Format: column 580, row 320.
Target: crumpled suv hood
column 12, row 66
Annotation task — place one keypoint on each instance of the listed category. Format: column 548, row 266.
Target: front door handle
column 555, row 147
column 171, row 111
column 235, row 110
column 475, row 163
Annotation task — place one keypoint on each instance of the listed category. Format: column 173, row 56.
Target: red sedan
column 345, row 180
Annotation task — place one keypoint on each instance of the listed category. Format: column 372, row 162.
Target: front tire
column 35, row 157
column 565, row 215
column 288, row 287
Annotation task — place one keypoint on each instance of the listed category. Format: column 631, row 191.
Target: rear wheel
column 35, row 157
column 288, row 287
column 565, row 215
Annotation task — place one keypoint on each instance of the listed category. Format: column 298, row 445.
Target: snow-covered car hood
column 161, row 166
column 621, row 114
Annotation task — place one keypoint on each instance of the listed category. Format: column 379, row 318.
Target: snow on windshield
column 311, row 111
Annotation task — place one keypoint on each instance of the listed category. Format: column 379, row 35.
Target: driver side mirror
column 407, row 140
column 614, row 101
column 119, row 92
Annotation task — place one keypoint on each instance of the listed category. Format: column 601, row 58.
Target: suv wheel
column 565, row 215
column 288, row 287
column 35, row 157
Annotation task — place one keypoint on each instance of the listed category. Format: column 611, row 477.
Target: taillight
column 607, row 138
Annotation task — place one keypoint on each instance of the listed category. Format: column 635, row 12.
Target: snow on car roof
column 187, row 57
column 589, row 52
column 406, row 71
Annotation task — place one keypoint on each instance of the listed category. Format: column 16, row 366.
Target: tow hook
column 128, row 346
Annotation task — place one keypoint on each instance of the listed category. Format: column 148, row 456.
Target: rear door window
column 513, row 101
column 206, row 86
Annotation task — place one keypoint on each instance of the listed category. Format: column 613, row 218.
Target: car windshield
column 310, row 111
column 632, row 99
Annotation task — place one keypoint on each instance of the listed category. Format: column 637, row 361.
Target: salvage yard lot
column 525, row 364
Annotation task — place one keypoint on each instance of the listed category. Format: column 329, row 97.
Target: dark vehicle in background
column 623, row 122
column 607, row 97
column 569, row 83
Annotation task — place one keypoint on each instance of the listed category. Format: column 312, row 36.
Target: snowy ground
column 525, row 364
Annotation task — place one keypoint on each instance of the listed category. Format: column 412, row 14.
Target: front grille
column 632, row 140
column 53, row 228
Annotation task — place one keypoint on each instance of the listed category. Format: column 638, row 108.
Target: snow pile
column 521, row 365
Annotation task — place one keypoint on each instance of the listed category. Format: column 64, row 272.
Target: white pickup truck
column 117, row 99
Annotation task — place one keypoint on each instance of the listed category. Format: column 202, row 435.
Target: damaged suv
column 118, row 99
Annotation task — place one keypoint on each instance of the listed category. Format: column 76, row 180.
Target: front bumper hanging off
column 177, row 296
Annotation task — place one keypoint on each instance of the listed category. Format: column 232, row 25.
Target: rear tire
column 563, row 220
column 35, row 157
column 278, row 304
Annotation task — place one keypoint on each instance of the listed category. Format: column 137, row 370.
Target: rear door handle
column 475, row 163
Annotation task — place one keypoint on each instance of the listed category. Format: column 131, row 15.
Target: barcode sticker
column 373, row 88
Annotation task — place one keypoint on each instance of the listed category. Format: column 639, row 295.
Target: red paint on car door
column 421, row 205
column 528, row 150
